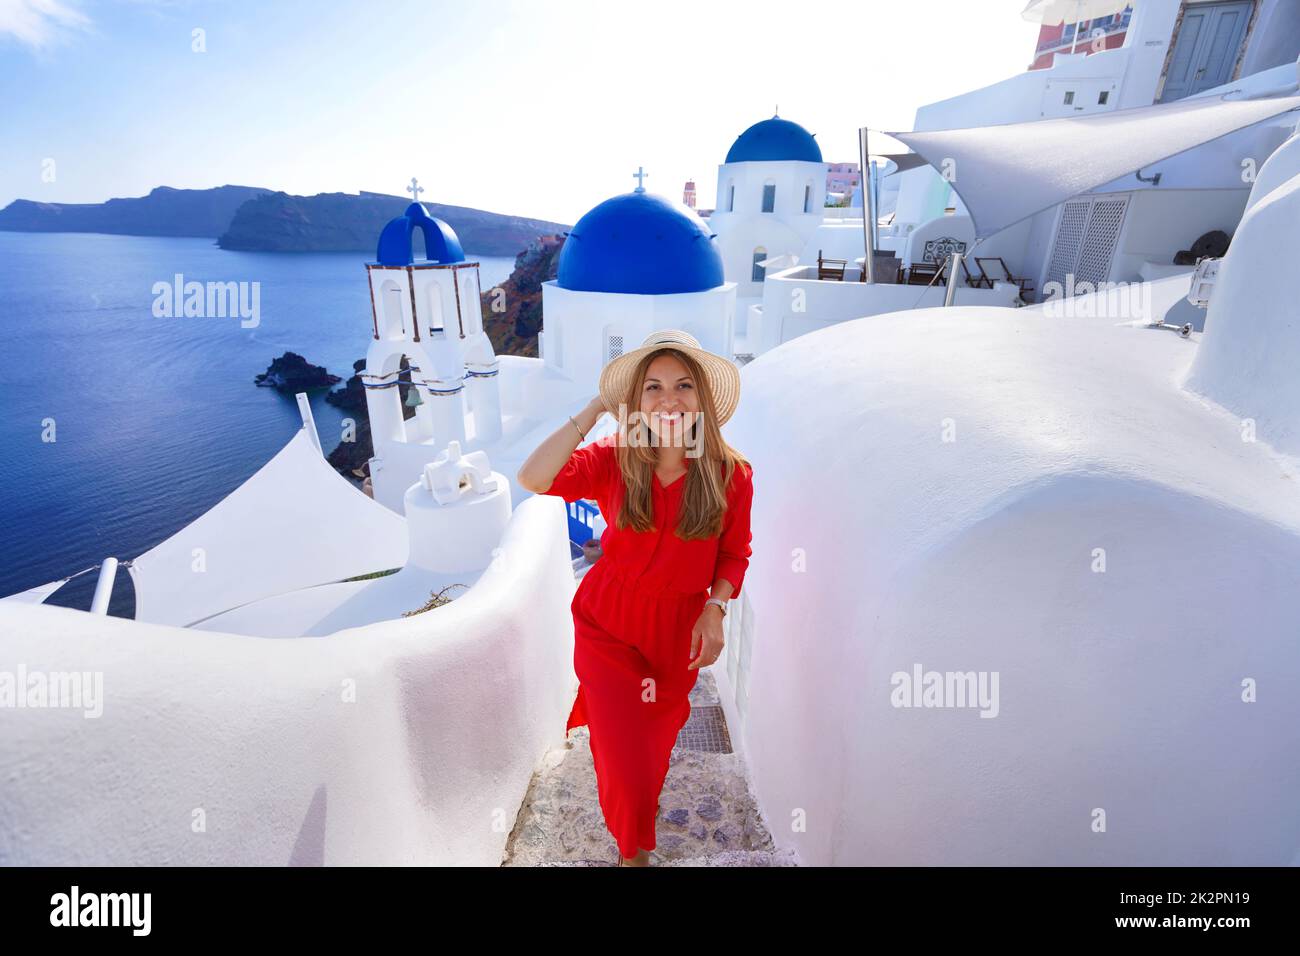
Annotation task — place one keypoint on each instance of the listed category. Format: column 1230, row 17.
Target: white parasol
column 1052, row 12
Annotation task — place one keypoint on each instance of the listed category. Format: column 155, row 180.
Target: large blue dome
column 641, row 244
column 775, row 140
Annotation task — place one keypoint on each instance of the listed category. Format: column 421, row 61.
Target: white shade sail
column 1070, row 11
column 293, row 524
column 1007, row 173
column 902, row 162
column 36, row 595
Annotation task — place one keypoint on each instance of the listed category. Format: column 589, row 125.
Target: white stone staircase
column 708, row 816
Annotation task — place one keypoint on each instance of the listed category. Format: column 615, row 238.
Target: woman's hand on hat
column 597, row 404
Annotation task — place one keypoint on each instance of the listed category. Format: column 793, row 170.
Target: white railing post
column 104, row 586
column 308, row 421
column 950, row 296
column 868, row 212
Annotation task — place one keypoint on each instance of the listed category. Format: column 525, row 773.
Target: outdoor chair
column 981, row 281
column 832, row 269
column 1025, row 285
column 923, row 273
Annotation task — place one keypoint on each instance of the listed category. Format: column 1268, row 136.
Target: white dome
column 879, row 547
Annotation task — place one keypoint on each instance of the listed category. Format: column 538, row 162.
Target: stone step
column 741, row 858
column 725, row 858
column 707, row 817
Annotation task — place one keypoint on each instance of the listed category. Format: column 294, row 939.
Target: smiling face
column 669, row 399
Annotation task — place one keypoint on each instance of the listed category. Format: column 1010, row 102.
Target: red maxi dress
column 632, row 619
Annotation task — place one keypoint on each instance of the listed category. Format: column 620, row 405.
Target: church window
column 394, row 311
column 433, row 322
column 769, row 197
column 759, row 272
column 807, row 199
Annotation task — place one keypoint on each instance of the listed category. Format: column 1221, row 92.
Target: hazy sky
column 531, row 108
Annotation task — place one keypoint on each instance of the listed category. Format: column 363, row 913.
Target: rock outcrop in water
column 340, row 222
column 292, row 373
column 352, row 396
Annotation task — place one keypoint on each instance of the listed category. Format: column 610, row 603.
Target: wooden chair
column 981, row 281
column 832, row 269
column 923, row 273
column 1025, row 285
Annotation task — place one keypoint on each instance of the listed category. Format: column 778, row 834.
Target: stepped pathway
column 708, row 816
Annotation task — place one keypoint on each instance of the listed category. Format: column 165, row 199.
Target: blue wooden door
column 1207, row 47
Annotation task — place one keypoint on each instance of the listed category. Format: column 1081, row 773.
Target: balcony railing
column 1114, row 23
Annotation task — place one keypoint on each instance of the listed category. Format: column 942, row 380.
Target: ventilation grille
column 705, row 730
column 1069, row 237
column 1086, row 239
column 1099, row 242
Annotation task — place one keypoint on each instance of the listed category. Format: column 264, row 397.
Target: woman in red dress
column 676, row 500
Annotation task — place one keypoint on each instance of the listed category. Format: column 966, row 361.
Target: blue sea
column 155, row 419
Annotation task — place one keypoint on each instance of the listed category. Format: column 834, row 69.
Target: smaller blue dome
column 440, row 242
column 642, row 244
column 775, row 140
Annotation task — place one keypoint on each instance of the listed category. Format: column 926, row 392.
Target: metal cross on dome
column 640, row 176
column 415, row 189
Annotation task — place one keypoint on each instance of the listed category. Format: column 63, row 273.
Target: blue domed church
column 633, row 264
column 771, row 194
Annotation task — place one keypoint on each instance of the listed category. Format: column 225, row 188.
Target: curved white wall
column 453, row 709
column 1282, row 165
column 1248, row 359
column 879, row 546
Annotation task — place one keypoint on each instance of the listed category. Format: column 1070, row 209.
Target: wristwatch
column 722, row 605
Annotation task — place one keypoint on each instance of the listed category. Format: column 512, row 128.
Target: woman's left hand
column 707, row 632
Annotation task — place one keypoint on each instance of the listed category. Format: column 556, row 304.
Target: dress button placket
column 662, row 498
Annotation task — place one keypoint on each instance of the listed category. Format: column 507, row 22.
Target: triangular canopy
column 293, row 524
column 902, row 162
column 1010, row 172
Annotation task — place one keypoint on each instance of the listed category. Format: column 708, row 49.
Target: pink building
column 842, row 177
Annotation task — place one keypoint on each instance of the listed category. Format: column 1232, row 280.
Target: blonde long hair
column 704, row 501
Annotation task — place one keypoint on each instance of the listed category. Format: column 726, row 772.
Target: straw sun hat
column 723, row 376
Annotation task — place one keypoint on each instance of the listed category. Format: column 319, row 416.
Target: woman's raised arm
column 539, row 470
